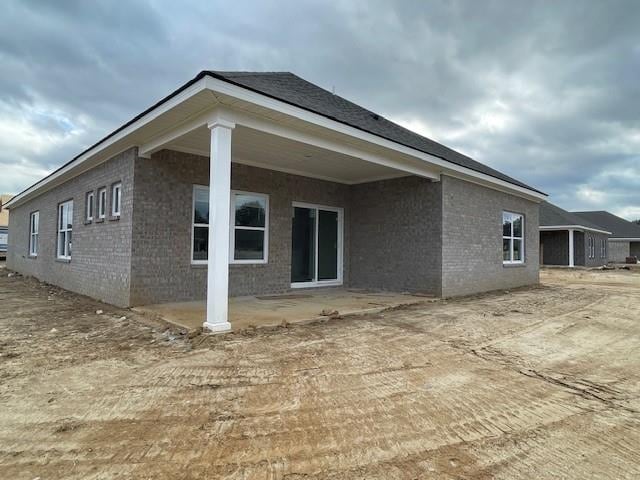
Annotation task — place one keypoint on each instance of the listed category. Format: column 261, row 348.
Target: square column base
column 224, row 327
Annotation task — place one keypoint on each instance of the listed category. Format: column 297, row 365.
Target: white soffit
column 260, row 149
column 208, row 92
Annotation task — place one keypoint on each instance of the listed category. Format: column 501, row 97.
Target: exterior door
column 316, row 245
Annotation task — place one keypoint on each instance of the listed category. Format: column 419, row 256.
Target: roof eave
column 572, row 227
column 200, row 82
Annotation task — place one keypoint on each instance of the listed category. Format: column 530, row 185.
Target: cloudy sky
column 545, row 91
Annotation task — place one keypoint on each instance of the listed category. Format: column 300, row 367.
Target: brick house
column 625, row 235
column 245, row 183
column 4, row 225
column 567, row 239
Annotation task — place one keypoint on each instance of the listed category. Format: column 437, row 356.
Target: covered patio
column 290, row 308
column 314, row 251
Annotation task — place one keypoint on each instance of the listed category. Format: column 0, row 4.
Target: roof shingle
column 553, row 216
column 290, row 88
column 619, row 227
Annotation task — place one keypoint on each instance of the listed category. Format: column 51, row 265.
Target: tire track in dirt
column 396, row 395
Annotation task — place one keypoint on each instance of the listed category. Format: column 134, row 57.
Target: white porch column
column 219, row 206
column 571, row 264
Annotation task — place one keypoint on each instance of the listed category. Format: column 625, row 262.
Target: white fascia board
column 150, row 116
column 637, row 239
column 273, row 128
column 572, row 227
column 216, row 85
column 255, row 98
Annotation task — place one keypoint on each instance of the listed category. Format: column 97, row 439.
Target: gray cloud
column 545, row 91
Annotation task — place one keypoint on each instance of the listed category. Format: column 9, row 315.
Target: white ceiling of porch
column 253, row 147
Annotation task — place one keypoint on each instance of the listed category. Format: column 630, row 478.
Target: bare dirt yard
column 536, row 383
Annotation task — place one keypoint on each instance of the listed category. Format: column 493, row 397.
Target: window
column 102, row 202
column 34, row 226
column 116, row 197
column 249, row 218
column 249, row 212
column 591, row 247
column 603, row 248
column 89, row 206
column 200, row 224
column 512, row 238
column 65, row 223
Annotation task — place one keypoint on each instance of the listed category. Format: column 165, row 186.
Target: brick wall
column 101, row 252
column 396, row 235
column 555, row 247
column 162, row 269
column 582, row 250
column 400, row 234
column 618, row 251
column 472, row 239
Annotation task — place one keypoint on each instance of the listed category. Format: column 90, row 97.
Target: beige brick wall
column 162, row 269
column 472, row 239
column 101, row 254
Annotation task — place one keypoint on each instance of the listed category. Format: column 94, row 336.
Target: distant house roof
column 290, row 88
column 619, row 227
column 554, row 217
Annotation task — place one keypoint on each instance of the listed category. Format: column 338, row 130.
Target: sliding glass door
column 316, row 246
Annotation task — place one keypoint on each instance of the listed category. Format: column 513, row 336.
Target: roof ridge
column 250, row 72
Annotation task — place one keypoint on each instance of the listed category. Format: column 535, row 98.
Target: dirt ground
column 536, row 383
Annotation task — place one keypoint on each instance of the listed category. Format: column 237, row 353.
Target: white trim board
column 317, row 119
column 109, row 141
column 572, row 227
column 340, row 267
column 216, row 85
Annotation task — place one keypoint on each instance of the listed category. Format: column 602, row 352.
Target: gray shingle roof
column 553, row 216
column 294, row 90
column 619, row 227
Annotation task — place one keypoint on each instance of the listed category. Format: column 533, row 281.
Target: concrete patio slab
column 296, row 307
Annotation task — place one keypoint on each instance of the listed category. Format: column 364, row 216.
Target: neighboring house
column 4, row 225
column 569, row 240
column 258, row 183
column 625, row 236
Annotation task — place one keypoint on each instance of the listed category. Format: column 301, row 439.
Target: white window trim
column 591, row 246
column 512, row 237
column 194, row 225
column 325, row 283
column 102, row 206
column 67, row 255
column 34, row 227
column 233, row 228
column 116, row 187
column 603, row 248
column 89, row 215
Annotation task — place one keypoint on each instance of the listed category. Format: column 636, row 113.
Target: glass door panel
column 327, row 245
column 303, row 245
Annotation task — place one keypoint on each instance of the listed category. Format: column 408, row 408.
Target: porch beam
column 283, row 131
column 571, row 261
column 161, row 141
column 219, row 205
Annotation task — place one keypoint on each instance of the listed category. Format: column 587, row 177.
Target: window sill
column 63, row 260
column 33, row 257
column 514, row 265
column 114, row 218
column 88, row 222
column 232, row 264
column 99, row 220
